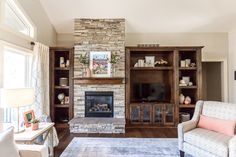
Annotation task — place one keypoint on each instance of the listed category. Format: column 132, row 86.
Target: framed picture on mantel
column 100, row 63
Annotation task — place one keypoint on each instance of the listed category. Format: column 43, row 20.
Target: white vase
column 181, row 98
column 88, row 72
column 113, row 70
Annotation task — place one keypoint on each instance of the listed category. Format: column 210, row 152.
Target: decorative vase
column 34, row 126
column 67, row 63
column 88, row 72
column 181, row 98
column 62, row 62
column 113, row 70
column 84, row 70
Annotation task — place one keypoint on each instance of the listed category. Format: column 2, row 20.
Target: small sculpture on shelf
column 62, row 62
column 161, row 62
column 184, row 100
column 61, row 98
column 187, row 100
column 185, row 81
column 182, row 83
column 193, row 65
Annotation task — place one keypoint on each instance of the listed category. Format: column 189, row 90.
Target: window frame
column 19, row 50
column 19, row 11
column 15, row 48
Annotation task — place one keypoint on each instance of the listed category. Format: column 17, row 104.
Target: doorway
column 212, row 73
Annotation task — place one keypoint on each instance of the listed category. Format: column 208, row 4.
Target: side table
column 29, row 136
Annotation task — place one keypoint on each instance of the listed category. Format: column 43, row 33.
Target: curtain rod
column 32, row 43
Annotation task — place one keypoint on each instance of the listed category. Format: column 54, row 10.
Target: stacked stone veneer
column 99, row 35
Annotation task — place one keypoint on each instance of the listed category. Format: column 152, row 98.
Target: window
column 16, row 66
column 16, row 73
column 13, row 17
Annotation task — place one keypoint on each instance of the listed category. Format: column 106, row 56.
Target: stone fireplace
column 98, row 104
column 105, row 114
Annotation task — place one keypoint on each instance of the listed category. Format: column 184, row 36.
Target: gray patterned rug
column 122, row 147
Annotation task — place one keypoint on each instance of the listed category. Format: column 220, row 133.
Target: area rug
column 122, row 147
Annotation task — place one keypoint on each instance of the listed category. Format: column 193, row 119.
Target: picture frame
column 99, row 64
column 150, row 61
column 28, row 116
column 67, row 100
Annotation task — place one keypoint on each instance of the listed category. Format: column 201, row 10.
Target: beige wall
column 65, row 40
column 232, row 66
column 46, row 33
column 216, row 44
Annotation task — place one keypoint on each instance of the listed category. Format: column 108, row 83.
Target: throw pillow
column 7, row 145
column 226, row 127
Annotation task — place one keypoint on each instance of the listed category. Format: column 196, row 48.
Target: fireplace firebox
column 98, row 104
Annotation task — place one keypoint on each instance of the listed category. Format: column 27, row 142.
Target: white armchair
column 8, row 147
column 205, row 143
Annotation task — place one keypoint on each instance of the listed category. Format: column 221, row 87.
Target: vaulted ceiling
column 147, row 16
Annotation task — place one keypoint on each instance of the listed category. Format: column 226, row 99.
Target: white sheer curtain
column 40, row 83
column 40, row 78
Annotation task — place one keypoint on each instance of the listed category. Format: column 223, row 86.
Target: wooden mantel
column 99, row 80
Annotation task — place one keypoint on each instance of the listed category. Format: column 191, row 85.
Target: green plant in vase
column 34, row 124
column 84, row 61
column 115, row 58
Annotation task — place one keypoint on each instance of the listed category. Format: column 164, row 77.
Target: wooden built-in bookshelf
column 61, row 113
column 162, row 113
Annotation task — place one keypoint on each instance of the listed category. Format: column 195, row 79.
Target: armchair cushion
column 33, row 150
column 213, row 142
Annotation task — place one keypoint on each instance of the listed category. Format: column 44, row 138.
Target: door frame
column 224, row 77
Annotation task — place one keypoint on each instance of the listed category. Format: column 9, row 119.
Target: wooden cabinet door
column 135, row 114
column 146, row 113
column 169, row 114
column 158, row 114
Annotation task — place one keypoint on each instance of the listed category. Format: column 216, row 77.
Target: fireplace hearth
column 98, row 104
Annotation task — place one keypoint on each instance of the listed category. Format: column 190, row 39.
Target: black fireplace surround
column 99, row 104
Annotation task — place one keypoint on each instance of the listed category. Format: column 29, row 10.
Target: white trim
column 16, row 49
column 2, row 2
column 19, row 9
column 25, row 16
column 224, row 76
column 13, row 46
column 1, row 66
column 19, row 34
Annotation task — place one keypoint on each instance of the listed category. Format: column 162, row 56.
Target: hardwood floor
column 65, row 137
